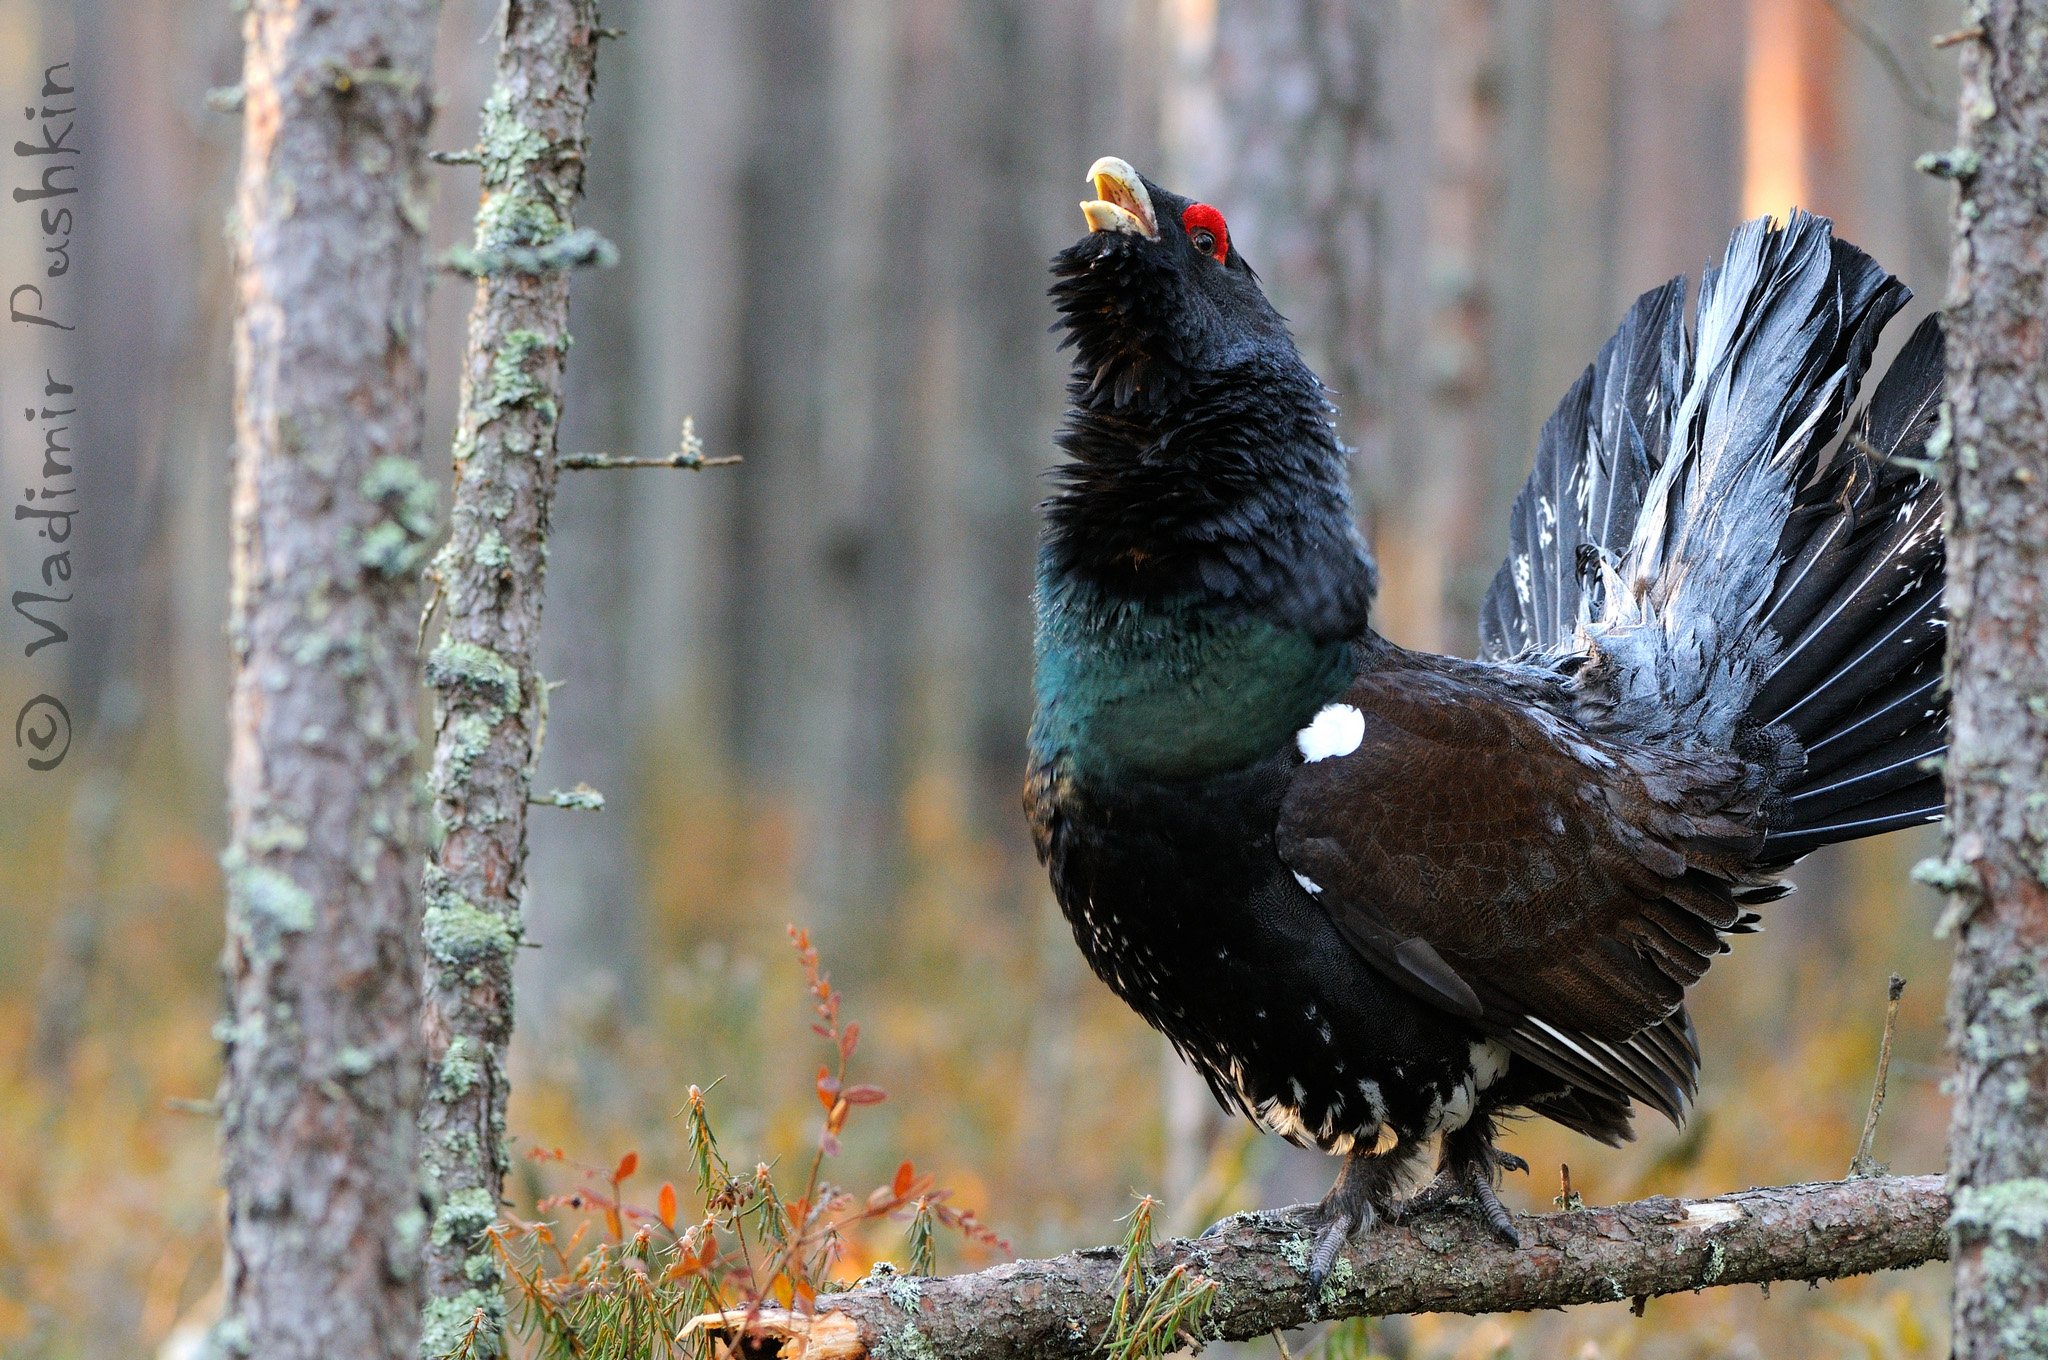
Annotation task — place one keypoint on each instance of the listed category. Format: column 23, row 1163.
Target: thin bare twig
column 1912, row 88
column 689, row 455
column 1863, row 1164
column 586, row 462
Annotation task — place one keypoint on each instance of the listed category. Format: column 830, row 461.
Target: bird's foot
column 1364, row 1191
column 1429, row 1198
column 1469, row 1169
column 1339, row 1225
column 1491, row 1211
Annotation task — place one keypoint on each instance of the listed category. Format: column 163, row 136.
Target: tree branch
column 1445, row 1263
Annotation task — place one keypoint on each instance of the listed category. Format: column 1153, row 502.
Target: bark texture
column 1298, row 156
column 490, row 704
column 332, row 520
column 1444, row 1264
column 1997, row 870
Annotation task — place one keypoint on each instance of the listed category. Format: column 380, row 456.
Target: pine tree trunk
column 332, row 520
column 491, row 572
column 1997, row 468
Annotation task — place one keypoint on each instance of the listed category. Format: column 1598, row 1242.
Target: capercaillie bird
column 1380, row 897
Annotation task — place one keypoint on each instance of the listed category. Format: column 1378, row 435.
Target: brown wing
column 1560, row 890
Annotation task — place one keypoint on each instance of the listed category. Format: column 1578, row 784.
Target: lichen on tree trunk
column 1996, row 464
column 332, row 519
column 490, row 700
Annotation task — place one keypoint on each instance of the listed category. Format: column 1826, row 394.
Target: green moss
column 398, row 483
column 398, row 545
column 1296, row 1251
column 1960, row 163
column 469, row 736
column 1949, row 875
column 511, row 385
column 582, row 798
column 388, row 550
column 491, row 551
column 464, row 1216
column 908, row 1344
column 459, row 1071
column 470, row 666
column 2015, row 1207
column 409, row 1229
column 446, row 1322
column 458, row 933
column 268, row 905
column 355, row 1062
column 902, row 1290
column 274, row 833
column 510, row 215
column 230, row 1340
column 2009, row 1222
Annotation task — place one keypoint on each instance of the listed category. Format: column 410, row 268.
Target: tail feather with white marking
column 1714, row 565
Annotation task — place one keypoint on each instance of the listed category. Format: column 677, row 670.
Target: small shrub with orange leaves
column 622, row 1279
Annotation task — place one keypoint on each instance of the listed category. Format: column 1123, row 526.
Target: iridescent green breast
column 1170, row 692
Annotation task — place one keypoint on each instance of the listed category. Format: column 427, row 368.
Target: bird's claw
column 1471, row 1181
column 1508, row 1161
column 1491, row 1211
column 1339, row 1226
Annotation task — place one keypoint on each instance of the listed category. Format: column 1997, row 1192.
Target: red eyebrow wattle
column 1205, row 218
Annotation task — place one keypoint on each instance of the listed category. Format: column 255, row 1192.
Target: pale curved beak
column 1121, row 202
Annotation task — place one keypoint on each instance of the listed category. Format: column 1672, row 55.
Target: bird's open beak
column 1120, row 202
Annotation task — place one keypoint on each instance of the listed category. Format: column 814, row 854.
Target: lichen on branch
column 1445, row 1262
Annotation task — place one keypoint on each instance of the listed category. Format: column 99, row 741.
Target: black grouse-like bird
column 1378, row 896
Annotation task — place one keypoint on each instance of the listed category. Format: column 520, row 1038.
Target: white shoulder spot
column 1336, row 731
column 1308, row 885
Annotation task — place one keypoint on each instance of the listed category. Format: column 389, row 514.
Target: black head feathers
column 1204, row 461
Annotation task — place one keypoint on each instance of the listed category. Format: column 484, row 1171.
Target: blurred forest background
column 802, row 683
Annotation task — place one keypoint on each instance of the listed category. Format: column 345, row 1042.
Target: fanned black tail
column 1713, row 566
column 1858, row 604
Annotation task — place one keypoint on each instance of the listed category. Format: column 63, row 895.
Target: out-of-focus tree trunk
column 1458, row 443
column 1020, row 155
column 776, row 406
column 1355, row 148
column 323, row 1054
column 886, row 192
column 1997, row 468
column 1296, row 153
column 841, row 204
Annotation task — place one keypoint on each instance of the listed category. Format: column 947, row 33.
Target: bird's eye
column 1206, row 231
